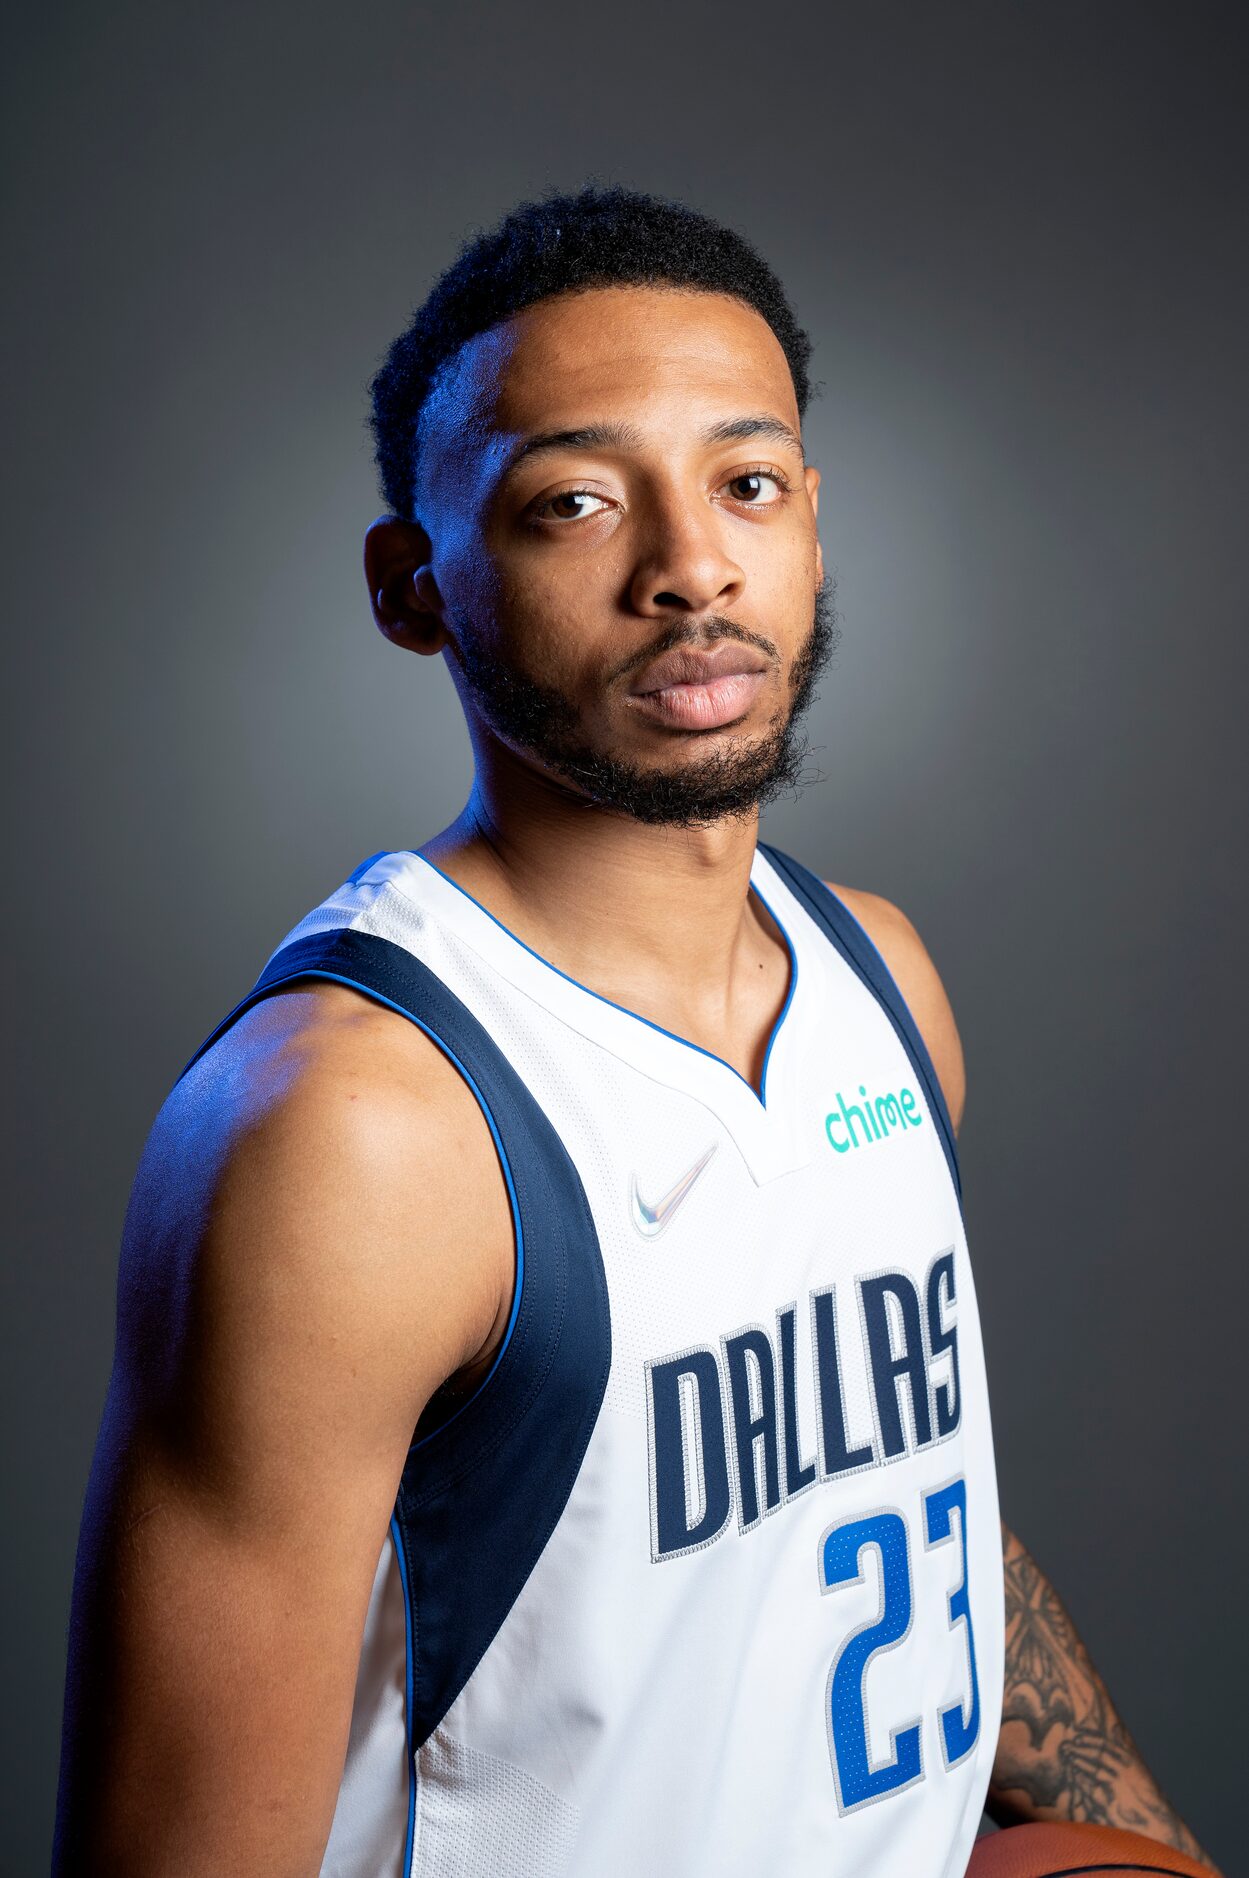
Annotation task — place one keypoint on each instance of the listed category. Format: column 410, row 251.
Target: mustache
column 704, row 634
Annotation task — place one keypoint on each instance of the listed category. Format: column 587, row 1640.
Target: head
column 589, row 439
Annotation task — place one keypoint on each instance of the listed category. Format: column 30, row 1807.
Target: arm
column 1062, row 1752
column 294, row 1284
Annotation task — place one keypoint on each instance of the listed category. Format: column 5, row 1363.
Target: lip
column 691, row 688
column 685, row 665
column 702, row 707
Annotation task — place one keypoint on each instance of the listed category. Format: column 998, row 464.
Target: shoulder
column 319, row 1191
column 917, row 978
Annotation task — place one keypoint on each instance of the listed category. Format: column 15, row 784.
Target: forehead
column 658, row 355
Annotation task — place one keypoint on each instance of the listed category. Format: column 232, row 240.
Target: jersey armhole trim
column 277, row 977
column 860, row 951
column 481, row 1494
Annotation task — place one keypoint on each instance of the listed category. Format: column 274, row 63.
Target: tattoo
column 1063, row 1753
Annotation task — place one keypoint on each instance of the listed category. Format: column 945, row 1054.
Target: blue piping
column 402, row 1560
column 760, row 1096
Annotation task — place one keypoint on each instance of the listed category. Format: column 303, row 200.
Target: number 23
column 857, row 1781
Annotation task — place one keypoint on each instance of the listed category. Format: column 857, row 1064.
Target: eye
column 745, row 487
column 567, row 496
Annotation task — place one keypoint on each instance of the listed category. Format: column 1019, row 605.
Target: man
column 548, row 1430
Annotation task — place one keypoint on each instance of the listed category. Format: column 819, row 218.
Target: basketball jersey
column 705, row 1577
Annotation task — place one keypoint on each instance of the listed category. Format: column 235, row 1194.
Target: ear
column 403, row 593
column 811, row 476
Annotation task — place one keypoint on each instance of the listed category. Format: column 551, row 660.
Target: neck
column 656, row 918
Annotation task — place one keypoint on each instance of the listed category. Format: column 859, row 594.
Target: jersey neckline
column 761, row 1094
column 768, row 1128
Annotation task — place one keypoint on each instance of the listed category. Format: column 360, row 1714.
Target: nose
column 683, row 563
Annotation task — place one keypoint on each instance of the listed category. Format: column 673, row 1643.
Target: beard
column 733, row 781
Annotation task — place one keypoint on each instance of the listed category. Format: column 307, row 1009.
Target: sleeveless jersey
column 705, row 1577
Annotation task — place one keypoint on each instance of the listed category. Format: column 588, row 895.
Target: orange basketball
column 1061, row 1851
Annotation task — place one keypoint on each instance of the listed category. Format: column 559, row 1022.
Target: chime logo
column 859, row 1124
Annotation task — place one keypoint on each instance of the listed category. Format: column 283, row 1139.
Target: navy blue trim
column 267, row 984
column 481, row 1495
column 859, row 952
column 760, row 1094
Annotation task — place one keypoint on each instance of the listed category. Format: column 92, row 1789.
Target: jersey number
column 857, row 1780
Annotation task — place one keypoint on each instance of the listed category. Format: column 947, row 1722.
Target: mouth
column 696, row 690
column 707, row 706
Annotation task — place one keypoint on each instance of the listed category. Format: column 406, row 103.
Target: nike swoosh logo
column 651, row 1220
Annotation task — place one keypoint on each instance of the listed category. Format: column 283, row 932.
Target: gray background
column 1014, row 233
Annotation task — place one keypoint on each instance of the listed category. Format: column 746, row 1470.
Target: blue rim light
column 354, row 984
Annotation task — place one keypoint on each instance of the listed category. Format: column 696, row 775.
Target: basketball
column 1059, row 1851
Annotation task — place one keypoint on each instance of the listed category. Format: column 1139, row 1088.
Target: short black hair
column 597, row 236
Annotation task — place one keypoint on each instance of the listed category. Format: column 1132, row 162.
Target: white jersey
column 706, row 1576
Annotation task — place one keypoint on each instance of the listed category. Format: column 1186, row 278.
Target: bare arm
column 1063, row 1753
column 294, row 1285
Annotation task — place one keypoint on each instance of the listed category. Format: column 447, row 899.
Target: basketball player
column 548, row 1431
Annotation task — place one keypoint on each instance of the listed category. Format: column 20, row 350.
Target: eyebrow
column 629, row 437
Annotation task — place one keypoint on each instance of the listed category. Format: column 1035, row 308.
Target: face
column 616, row 549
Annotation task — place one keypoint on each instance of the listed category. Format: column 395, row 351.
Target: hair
column 562, row 244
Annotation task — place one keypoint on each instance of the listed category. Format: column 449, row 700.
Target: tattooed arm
column 1063, row 1753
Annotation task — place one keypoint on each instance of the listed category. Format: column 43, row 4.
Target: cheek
column 787, row 602
column 559, row 585
column 534, row 637
column 786, row 571
column 545, row 628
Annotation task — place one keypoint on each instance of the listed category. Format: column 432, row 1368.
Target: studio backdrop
column 1015, row 235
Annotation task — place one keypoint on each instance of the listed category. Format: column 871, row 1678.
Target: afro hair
column 563, row 243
